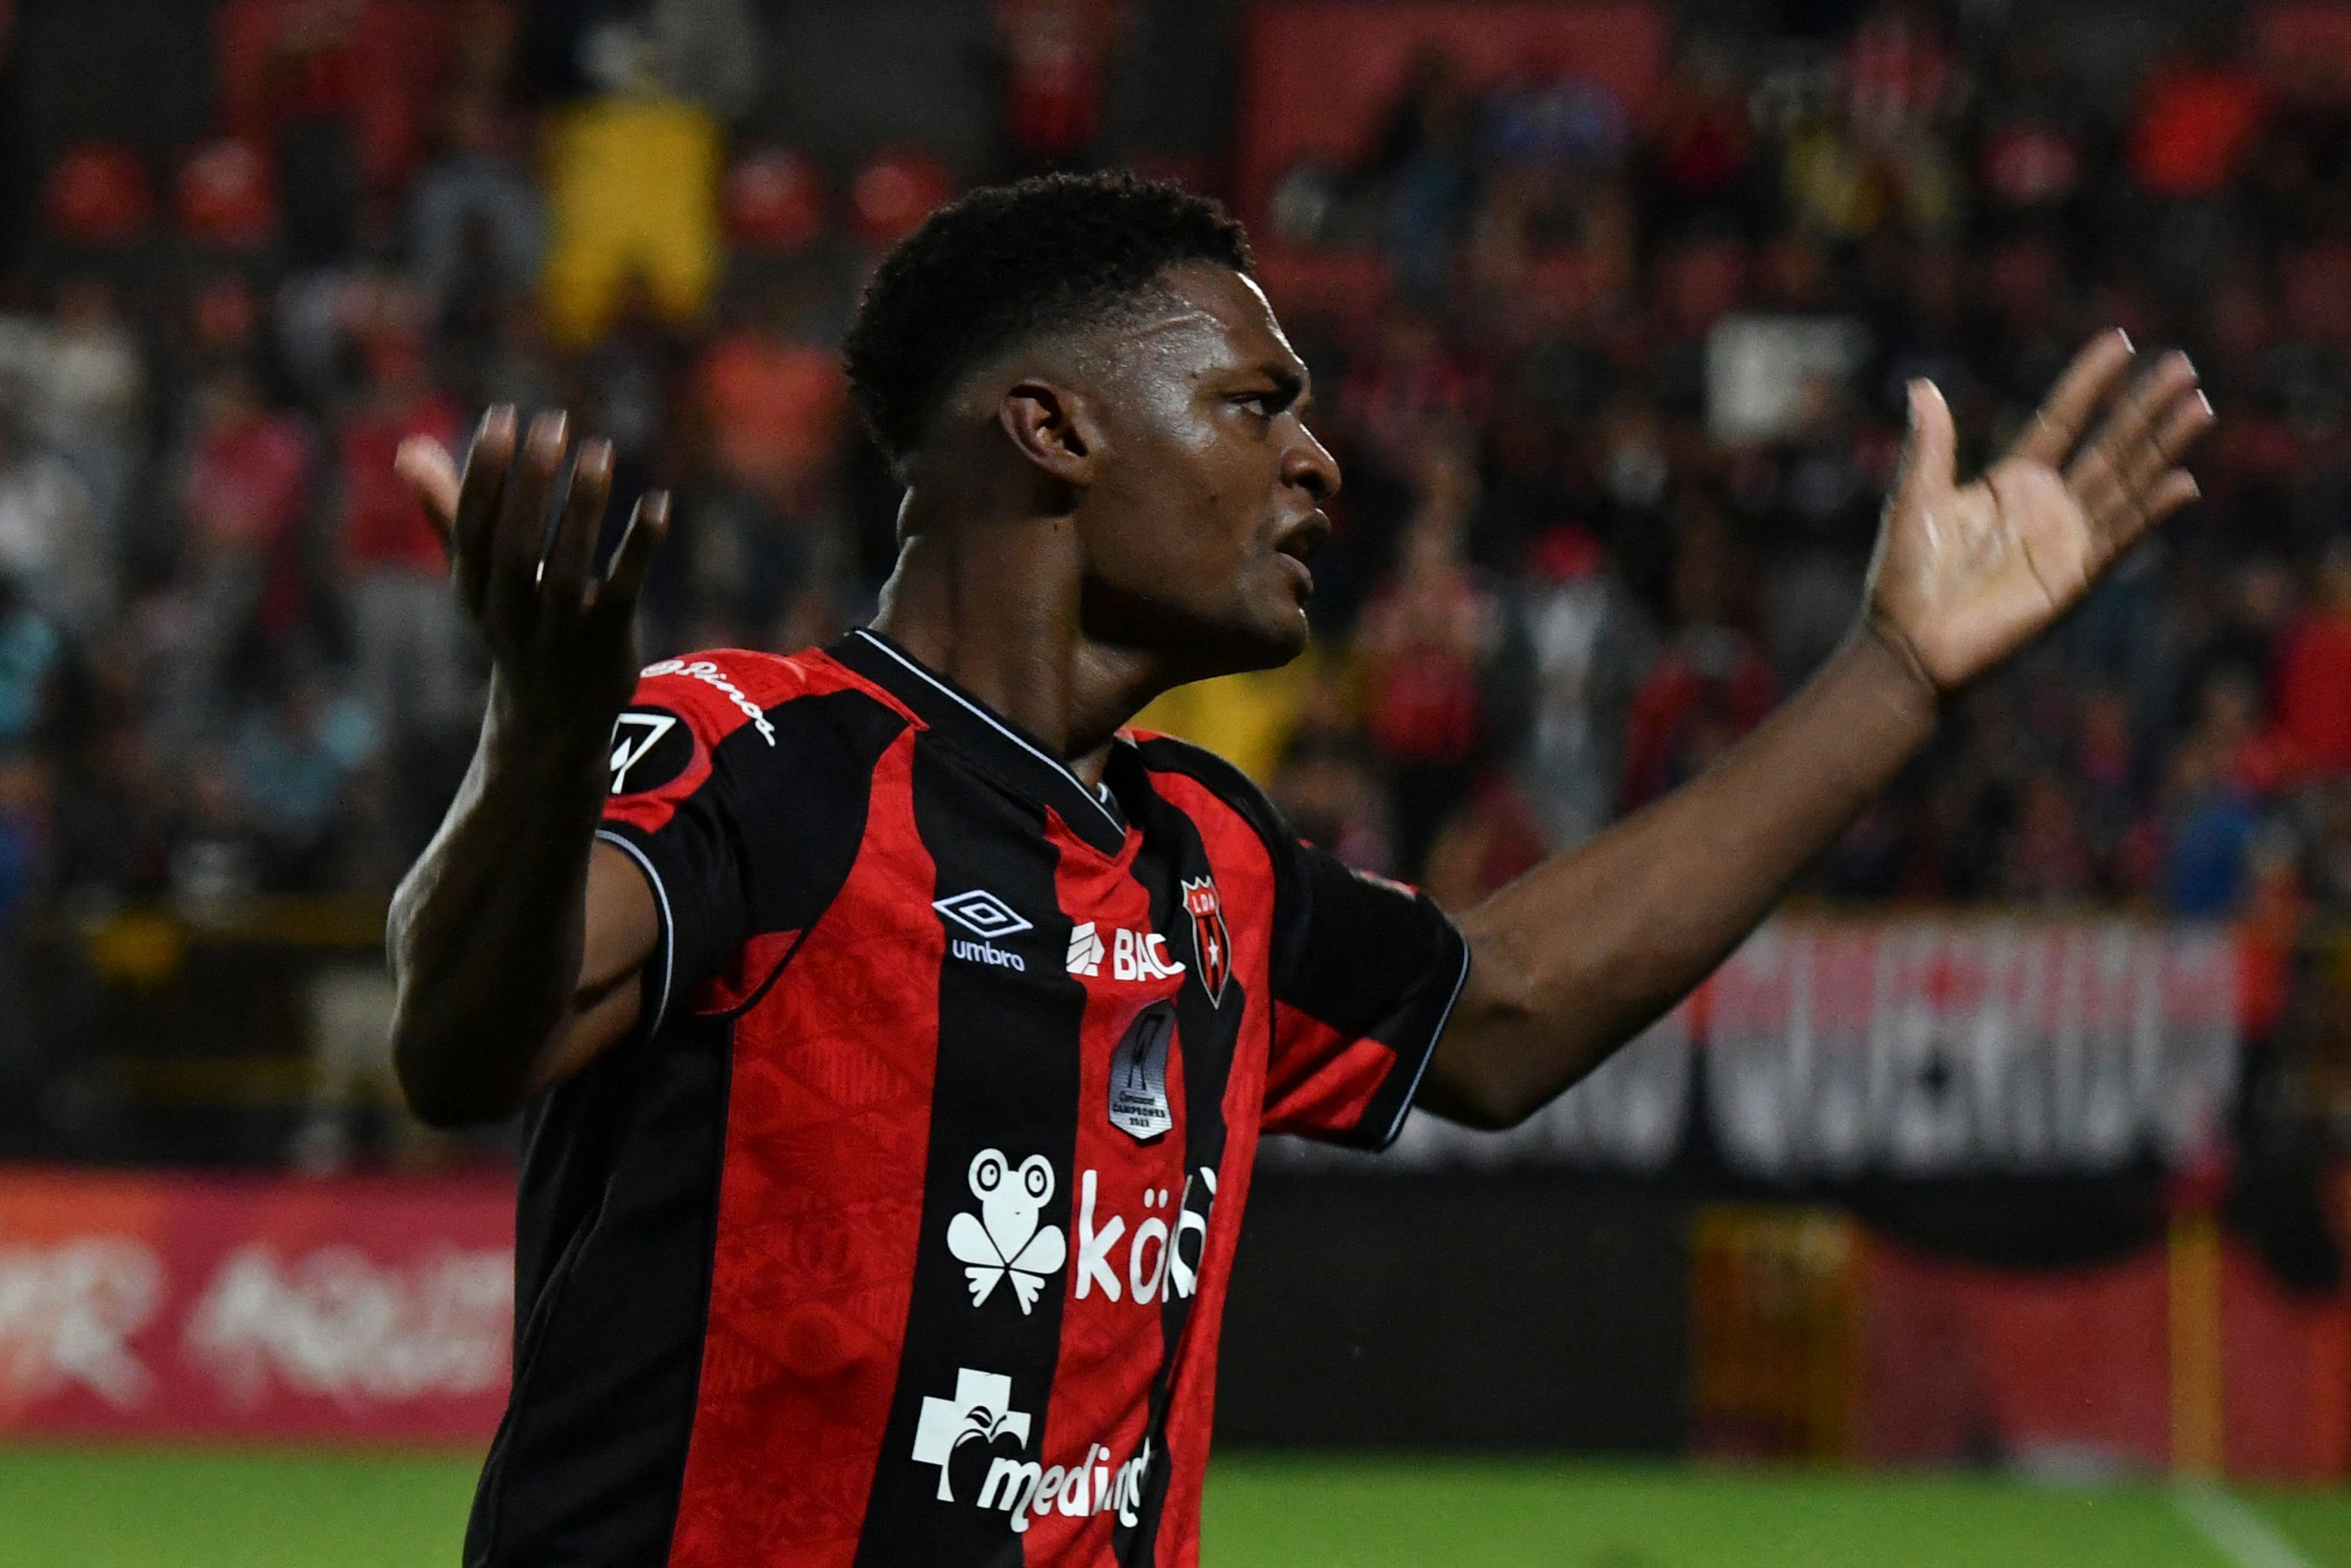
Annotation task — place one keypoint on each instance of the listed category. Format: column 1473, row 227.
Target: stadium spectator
column 294, row 758
column 1711, row 682
column 89, row 401
column 1056, row 59
column 2314, row 673
column 31, row 656
column 51, row 541
column 1590, row 643
column 404, row 624
column 478, row 224
column 245, row 493
column 1434, row 639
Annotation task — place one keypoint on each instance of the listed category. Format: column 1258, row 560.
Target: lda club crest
column 1212, row 946
column 1138, row 1074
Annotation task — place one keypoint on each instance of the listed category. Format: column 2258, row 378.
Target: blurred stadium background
column 1988, row 1208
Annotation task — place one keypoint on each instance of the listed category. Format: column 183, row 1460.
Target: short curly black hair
column 1005, row 261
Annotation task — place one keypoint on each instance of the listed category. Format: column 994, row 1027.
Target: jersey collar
column 973, row 727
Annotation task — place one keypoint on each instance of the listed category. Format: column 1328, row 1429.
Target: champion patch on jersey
column 1138, row 1075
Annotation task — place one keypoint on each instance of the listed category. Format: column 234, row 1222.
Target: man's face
column 1209, row 497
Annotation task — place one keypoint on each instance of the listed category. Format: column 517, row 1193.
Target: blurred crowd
column 1615, row 427
column 1617, row 443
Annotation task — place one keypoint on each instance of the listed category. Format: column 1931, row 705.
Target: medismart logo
column 959, row 1435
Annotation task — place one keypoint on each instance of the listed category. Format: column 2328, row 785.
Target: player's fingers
column 1931, row 450
column 425, row 467
column 2135, row 416
column 563, row 578
column 2112, row 470
column 2175, row 430
column 648, row 524
column 2169, row 493
column 522, row 520
column 480, row 494
column 2071, row 404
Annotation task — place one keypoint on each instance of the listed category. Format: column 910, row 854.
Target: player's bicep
column 623, row 920
column 623, row 935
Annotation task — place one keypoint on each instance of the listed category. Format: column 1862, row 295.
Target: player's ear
column 1051, row 427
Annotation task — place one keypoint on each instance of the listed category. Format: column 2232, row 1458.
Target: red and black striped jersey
column 898, row 1234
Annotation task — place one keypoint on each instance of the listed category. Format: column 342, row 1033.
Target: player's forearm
column 1578, row 956
column 488, row 927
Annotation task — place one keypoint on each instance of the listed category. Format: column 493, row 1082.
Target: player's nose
column 1308, row 466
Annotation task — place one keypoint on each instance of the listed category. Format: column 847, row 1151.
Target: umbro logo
column 981, row 913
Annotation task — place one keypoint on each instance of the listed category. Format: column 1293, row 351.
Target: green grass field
column 116, row 1508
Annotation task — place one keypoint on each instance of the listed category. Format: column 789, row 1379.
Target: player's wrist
column 541, row 730
column 1897, row 653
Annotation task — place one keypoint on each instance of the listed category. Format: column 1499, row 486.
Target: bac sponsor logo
column 1138, row 1074
column 1003, row 1240
column 985, row 915
column 979, row 1444
column 1132, row 954
column 650, row 748
column 1212, row 945
column 709, row 675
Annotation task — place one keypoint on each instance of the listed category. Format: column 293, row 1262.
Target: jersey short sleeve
column 678, row 779
column 1365, row 972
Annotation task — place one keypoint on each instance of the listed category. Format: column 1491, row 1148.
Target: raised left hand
column 1965, row 575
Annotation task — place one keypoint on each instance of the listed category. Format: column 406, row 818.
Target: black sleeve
column 1365, row 972
column 743, row 801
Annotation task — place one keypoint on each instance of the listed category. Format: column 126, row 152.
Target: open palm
column 1965, row 575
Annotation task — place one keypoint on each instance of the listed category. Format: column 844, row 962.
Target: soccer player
column 894, row 1028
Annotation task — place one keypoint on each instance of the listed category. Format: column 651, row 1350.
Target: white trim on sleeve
column 669, row 928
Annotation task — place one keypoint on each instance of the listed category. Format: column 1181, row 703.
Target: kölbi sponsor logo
column 1164, row 1253
column 977, row 1440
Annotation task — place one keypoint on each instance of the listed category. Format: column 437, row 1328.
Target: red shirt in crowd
column 249, row 484
column 1685, row 715
column 2313, row 693
column 1054, row 52
column 776, row 410
column 2194, row 128
column 383, row 526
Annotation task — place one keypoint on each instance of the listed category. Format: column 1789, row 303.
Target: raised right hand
column 562, row 637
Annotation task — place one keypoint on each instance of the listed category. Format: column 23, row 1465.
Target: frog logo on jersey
column 1212, row 945
column 1003, row 1240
